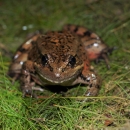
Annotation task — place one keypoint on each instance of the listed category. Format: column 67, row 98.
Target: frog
column 56, row 58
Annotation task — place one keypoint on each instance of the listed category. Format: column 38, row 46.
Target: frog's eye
column 72, row 61
column 44, row 59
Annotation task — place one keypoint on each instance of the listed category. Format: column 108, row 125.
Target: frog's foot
column 30, row 90
column 94, row 85
column 92, row 91
column 105, row 57
column 105, row 54
column 90, row 78
column 14, row 75
column 27, row 89
column 93, row 80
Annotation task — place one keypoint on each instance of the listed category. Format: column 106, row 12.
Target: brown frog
column 54, row 58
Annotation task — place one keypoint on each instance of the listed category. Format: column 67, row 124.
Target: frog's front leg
column 93, row 81
column 90, row 78
column 27, row 80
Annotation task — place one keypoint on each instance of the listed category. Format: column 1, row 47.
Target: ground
column 110, row 109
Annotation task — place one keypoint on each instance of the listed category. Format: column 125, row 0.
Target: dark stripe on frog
column 76, row 29
column 54, row 42
column 88, row 33
column 22, row 49
column 60, row 31
column 68, row 26
column 11, row 74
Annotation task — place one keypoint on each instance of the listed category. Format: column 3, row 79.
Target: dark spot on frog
column 12, row 74
column 22, row 49
column 47, row 37
column 62, row 46
column 88, row 33
column 87, row 65
column 60, row 31
column 51, row 69
column 53, row 42
column 84, row 78
column 76, row 29
column 63, row 69
column 89, row 46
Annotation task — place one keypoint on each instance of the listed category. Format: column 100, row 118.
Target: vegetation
column 110, row 109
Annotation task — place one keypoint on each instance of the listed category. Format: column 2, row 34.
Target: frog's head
column 62, row 56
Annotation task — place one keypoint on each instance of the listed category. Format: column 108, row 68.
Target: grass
column 111, row 109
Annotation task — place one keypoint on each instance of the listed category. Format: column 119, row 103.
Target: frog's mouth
column 53, row 80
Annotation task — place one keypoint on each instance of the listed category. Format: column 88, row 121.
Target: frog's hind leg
column 105, row 57
column 14, row 71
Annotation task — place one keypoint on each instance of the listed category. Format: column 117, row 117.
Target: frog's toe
column 29, row 93
column 38, row 89
column 93, row 91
